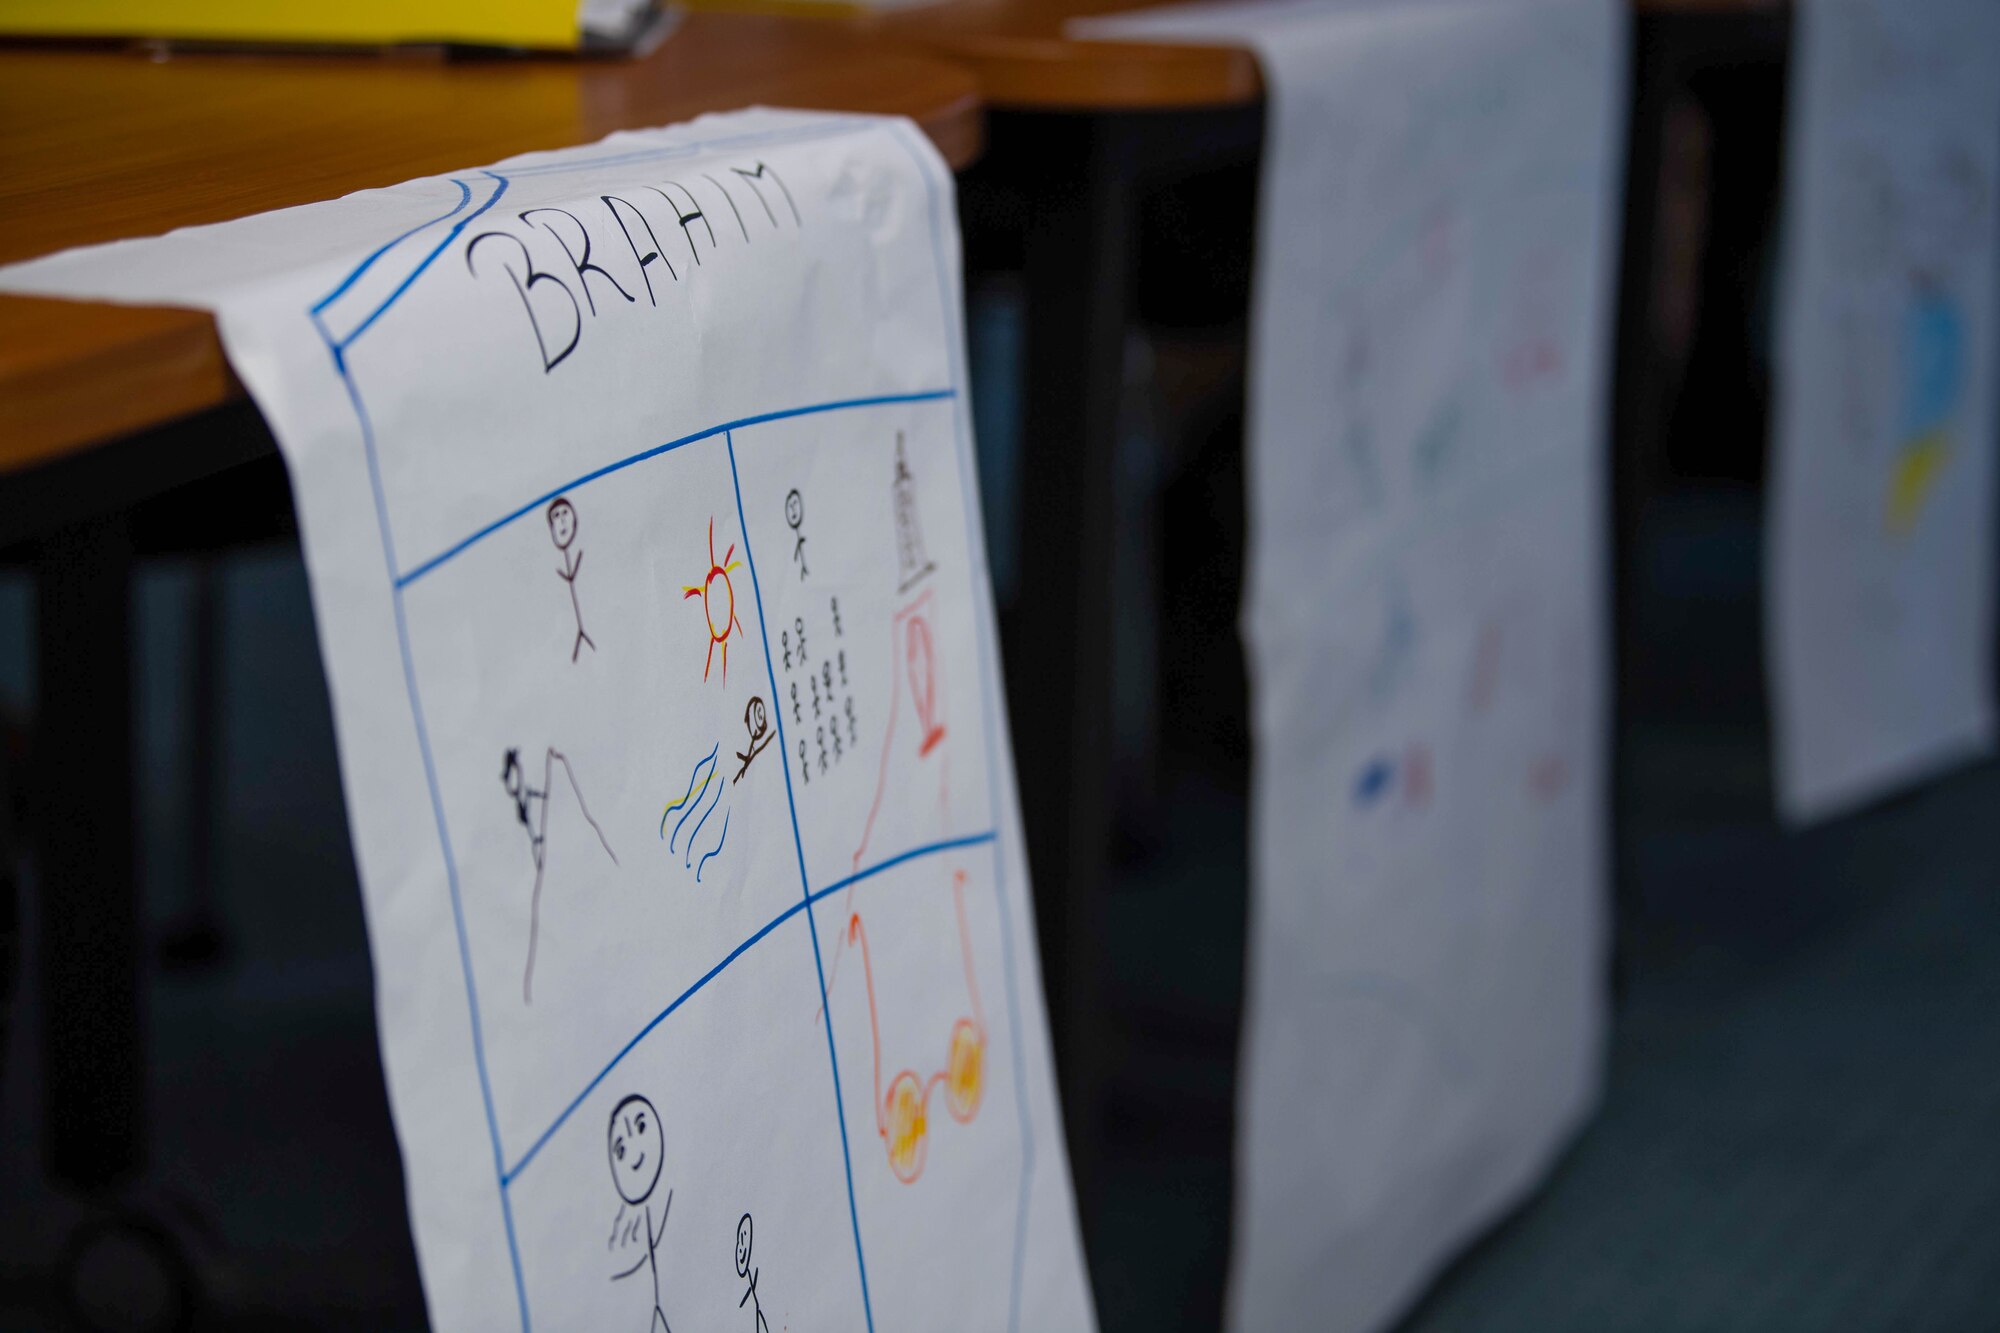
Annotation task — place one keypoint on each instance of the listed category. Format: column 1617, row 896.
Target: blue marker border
column 399, row 580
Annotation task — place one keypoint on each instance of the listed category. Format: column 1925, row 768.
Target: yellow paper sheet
column 543, row 23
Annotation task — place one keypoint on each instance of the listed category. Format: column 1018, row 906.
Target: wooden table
column 1024, row 58
column 108, row 413
column 102, row 145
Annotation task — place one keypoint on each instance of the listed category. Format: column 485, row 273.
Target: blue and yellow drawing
column 1933, row 379
column 703, row 781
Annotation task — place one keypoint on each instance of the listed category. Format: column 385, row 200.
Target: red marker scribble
column 1532, row 349
column 1531, row 360
column 912, row 641
column 1417, row 780
column 922, row 662
column 902, row 1113
column 1547, row 776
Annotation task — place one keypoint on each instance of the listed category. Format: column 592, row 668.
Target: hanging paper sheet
column 1424, row 625
column 637, row 495
column 1879, row 614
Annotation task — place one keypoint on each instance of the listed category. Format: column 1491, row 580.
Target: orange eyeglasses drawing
column 718, row 570
column 902, row 1114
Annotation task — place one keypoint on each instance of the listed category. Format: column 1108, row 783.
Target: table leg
column 1670, row 53
column 1640, row 392
column 81, row 793
column 195, row 937
column 10, row 895
column 1077, row 264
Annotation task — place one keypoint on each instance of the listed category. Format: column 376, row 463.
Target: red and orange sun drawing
column 718, row 632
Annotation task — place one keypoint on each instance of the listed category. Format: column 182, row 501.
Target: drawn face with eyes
column 743, row 1247
column 795, row 509
column 754, row 717
column 634, row 1147
column 562, row 524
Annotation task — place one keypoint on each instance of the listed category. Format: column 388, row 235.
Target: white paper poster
column 1425, row 632
column 637, row 493
column 1879, row 612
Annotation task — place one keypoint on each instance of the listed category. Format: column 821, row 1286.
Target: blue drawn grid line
column 464, row 198
column 398, row 581
column 460, row 546
column 576, row 1103
column 954, row 324
column 340, row 346
column 928, row 849
column 805, row 893
column 337, row 350
column 506, row 1175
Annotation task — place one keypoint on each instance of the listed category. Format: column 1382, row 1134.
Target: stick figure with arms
column 749, row 1275
column 562, row 531
column 795, row 517
column 633, row 1144
column 531, row 810
column 758, row 724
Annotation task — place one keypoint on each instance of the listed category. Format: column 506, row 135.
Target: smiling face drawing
column 743, row 1247
column 634, row 1147
column 562, row 524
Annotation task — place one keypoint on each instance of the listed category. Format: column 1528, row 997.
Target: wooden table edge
column 1057, row 72
column 1062, row 73
column 145, row 366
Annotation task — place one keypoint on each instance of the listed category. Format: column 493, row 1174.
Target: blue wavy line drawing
column 718, row 848
column 713, row 801
column 697, row 783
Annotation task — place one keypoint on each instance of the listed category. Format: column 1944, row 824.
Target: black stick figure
column 633, row 1146
column 562, row 531
column 531, row 808
column 795, row 515
column 749, row 1274
column 759, row 727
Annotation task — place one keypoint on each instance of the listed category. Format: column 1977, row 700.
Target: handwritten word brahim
column 612, row 250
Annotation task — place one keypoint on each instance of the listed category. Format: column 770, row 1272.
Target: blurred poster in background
column 1425, row 630
column 1879, row 618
